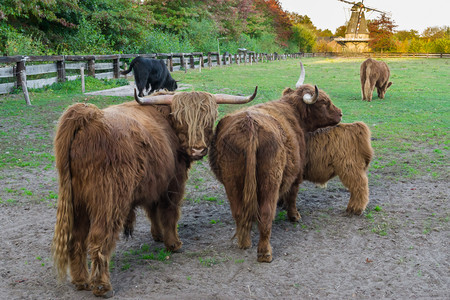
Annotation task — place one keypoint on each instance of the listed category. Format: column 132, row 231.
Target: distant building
column 357, row 34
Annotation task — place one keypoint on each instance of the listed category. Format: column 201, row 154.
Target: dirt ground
column 398, row 249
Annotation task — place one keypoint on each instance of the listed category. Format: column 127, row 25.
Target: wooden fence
column 39, row 71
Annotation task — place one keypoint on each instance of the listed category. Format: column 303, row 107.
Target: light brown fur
column 374, row 74
column 344, row 150
column 258, row 153
column 113, row 160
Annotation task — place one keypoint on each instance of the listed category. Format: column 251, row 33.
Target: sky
column 407, row 14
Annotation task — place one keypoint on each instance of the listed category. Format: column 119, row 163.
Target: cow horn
column 308, row 99
column 301, row 79
column 231, row 99
column 149, row 100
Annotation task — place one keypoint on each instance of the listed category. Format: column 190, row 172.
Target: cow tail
column 72, row 120
column 365, row 146
column 367, row 91
column 125, row 72
column 250, row 200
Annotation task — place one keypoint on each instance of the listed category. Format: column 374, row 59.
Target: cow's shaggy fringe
column 345, row 151
column 197, row 110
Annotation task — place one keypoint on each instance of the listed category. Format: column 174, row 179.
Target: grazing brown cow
column 374, row 74
column 345, row 151
column 259, row 155
column 113, row 160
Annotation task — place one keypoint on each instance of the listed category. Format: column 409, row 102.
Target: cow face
column 171, row 85
column 193, row 116
column 316, row 112
column 381, row 91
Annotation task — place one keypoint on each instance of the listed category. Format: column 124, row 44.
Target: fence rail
column 46, row 70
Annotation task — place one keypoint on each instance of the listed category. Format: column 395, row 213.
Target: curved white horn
column 149, row 100
column 231, row 99
column 301, row 79
column 308, row 99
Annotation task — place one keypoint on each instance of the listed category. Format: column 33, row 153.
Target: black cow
column 148, row 71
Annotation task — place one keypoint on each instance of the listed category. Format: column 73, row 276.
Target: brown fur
column 345, row 151
column 113, row 160
column 374, row 74
column 259, row 154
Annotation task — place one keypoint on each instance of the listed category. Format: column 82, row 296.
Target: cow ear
column 287, row 91
column 389, row 84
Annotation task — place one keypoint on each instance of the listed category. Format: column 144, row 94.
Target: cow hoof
column 174, row 247
column 265, row 257
column 354, row 211
column 102, row 291
column 82, row 286
column 294, row 217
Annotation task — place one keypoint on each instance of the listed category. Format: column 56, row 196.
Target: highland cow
column 258, row 153
column 374, row 74
column 345, row 151
column 112, row 161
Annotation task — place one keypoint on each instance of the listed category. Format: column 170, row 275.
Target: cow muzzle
column 198, row 153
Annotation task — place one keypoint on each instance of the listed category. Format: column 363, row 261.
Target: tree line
column 49, row 27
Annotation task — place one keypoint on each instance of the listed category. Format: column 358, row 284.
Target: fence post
column 116, row 69
column 91, row 67
column 209, row 60
column 61, row 69
column 82, row 79
column 23, row 81
column 170, row 62
column 218, row 59
column 20, row 66
column 182, row 65
column 191, row 61
column 202, row 62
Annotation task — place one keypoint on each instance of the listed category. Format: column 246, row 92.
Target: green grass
column 409, row 127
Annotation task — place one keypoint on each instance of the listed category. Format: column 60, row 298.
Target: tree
column 304, row 37
column 381, row 33
column 404, row 35
column 340, row 31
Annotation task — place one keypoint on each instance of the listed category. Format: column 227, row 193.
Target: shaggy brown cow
column 259, row 154
column 345, row 151
column 113, row 160
column 374, row 74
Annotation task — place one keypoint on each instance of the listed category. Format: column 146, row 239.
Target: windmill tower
column 357, row 34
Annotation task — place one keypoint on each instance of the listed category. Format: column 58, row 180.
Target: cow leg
column 102, row 240
column 169, row 214
column 155, row 228
column 243, row 226
column 358, row 185
column 267, row 209
column 78, row 251
column 289, row 200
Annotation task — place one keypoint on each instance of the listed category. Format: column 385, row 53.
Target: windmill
column 357, row 33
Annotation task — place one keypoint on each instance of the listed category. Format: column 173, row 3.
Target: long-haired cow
column 113, row 160
column 343, row 150
column 259, row 155
column 374, row 74
column 149, row 72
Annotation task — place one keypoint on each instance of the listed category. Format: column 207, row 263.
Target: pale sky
column 414, row 14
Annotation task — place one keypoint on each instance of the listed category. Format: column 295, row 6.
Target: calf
column 374, row 74
column 345, row 151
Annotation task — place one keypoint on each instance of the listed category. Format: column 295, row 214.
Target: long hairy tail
column 73, row 119
column 364, row 143
column 125, row 72
column 249, row 197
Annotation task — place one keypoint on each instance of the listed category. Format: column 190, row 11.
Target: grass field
column 409, row 127
column 397, row 248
